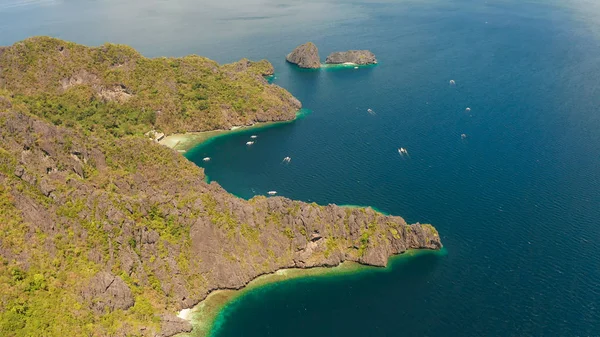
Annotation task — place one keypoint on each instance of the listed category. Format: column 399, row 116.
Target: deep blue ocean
column 517, row 202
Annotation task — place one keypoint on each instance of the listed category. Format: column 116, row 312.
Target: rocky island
column 305, row 56
column 106, row 232
column 358, row 57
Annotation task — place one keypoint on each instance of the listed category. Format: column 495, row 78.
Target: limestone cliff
column 305, row 56
column 360, row 57
column 105, row 232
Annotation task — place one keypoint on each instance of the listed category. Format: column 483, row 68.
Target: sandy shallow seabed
column 185, row 141
column 182, row 142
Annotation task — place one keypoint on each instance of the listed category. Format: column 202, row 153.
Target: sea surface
column 517, row 202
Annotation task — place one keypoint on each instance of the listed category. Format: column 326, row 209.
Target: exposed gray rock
column 19, row 171
column 360, row 57
column 46, row 187
column 171, row 325
column 305, row 56
column 107, row 291
column 4, row 103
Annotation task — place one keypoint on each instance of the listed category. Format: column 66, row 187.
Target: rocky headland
column 106, row 232
column 305, row 56
column 358, row 57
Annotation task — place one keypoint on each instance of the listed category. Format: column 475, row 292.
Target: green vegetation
column 7, row 162
column 36, row 301
column 275, row 218
column 289, row 233
column 251, row 234
column 331, row 244
column 220, row 217
column 366, row 238
column 395, row 233
column 113, row 88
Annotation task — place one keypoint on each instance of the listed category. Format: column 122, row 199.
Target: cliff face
column 106, row 234
column 305, row 56
column 361, row 57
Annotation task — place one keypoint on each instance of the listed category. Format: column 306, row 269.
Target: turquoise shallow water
column 517, row 202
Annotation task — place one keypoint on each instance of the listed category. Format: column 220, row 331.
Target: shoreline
column 183, row 142
column 204, row 316
column 347, row 65
column 361, row 206
column 335, row 66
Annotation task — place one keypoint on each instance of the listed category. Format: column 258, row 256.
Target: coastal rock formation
column 305, row 56
column 105, row 232
column 108, row 292
column 172, row 325
column 360, row 57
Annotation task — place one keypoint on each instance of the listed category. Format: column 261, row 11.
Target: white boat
column 463, row 136
column 402, row 151
column 287, row 159
column 468, row 109
column 249, row 143
column 452, row 82
column 206, row 159
column 253, row 136
column 370, row 111
column 355, row 67
column 272, row 192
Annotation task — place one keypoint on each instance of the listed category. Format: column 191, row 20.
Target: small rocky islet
column 307, row 56
column 358, row 57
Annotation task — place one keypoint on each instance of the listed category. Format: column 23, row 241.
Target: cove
column 195, row 141
column 209, row 317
